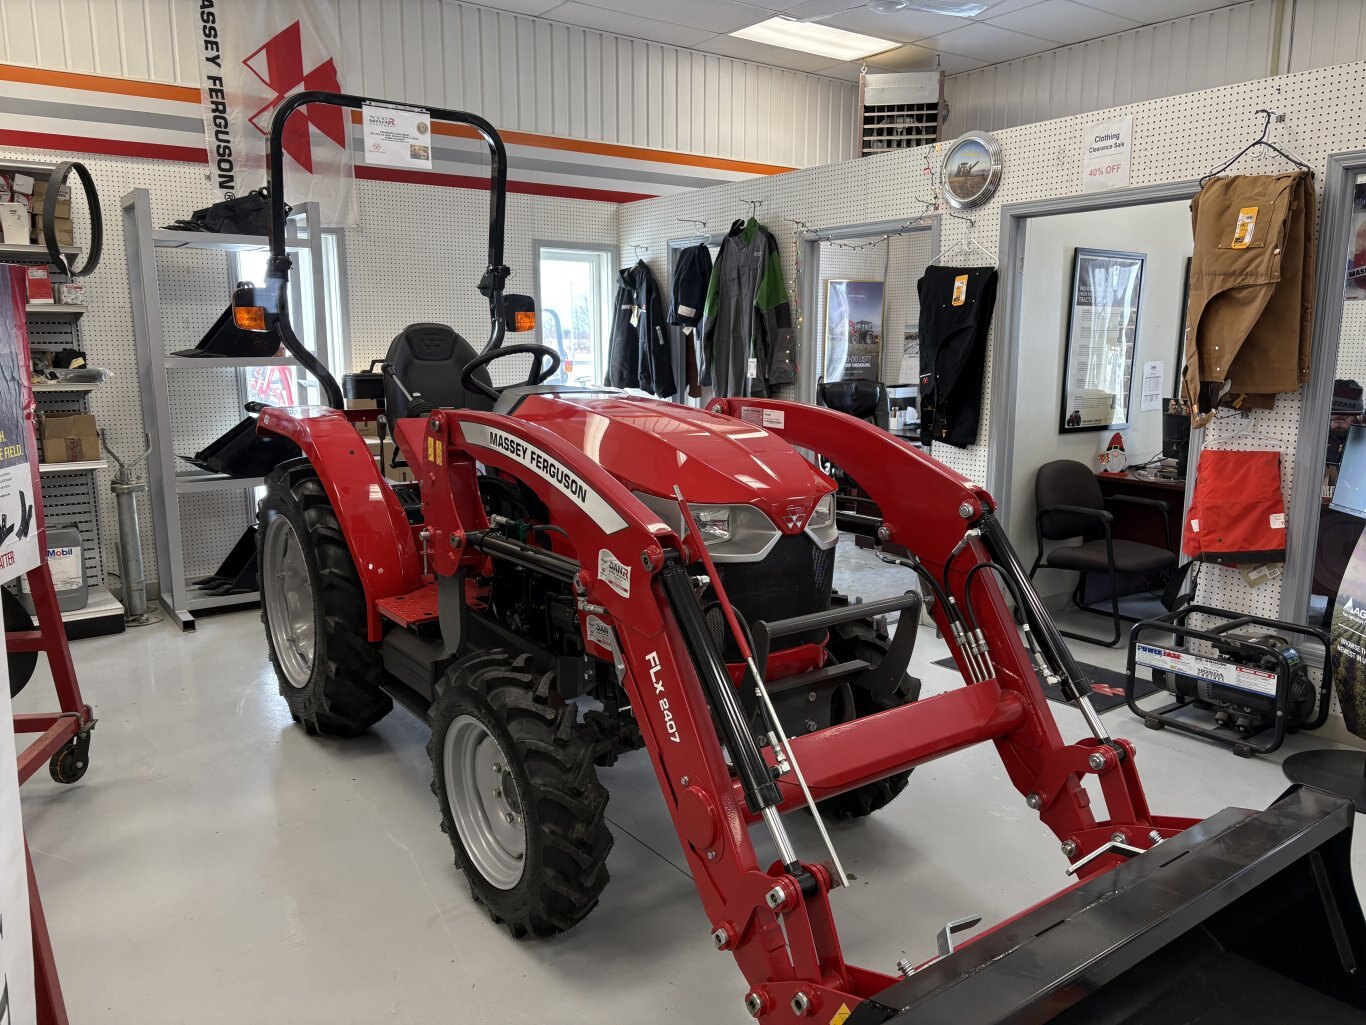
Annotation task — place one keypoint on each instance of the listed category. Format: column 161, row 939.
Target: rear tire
column 313, row 608
column 504, row 744
column 866, row 639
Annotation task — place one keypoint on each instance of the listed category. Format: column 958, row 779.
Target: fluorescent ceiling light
column 811, row 38
column 951, row 8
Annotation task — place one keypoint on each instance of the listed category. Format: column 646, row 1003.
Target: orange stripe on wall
column 98, row 83
column 606, row 149
column 190, row 94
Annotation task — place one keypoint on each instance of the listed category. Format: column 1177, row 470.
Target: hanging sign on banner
column 397, row 136
column 1107, row 151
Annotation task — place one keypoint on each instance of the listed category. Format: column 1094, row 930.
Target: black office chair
column 859, row 397
column 1070, row 505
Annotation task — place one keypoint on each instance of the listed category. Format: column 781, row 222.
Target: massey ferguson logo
column 279, row 64
column 794, row 516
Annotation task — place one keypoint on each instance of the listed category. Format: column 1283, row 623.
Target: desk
column 1139, row 523
column 1136, row 523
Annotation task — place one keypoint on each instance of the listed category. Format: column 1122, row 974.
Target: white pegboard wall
column 419, row 253
column 106, row 329
column 1174, row 139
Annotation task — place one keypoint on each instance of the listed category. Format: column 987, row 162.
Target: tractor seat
column 429, row 359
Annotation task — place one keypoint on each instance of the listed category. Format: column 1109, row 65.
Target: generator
column 1244, row 672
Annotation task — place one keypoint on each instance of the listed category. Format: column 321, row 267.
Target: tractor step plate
column 410, row 610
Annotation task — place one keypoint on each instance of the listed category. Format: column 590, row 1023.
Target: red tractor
column 578, row 572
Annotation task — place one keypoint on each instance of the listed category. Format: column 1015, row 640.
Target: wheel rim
column 483, row 800
column 288, row 594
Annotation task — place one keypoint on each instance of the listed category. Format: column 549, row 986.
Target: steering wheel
column 535, row 376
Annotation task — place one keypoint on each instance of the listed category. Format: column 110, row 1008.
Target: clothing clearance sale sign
column 253, row 54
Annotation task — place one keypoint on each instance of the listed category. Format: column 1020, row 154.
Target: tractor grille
column 793, row 580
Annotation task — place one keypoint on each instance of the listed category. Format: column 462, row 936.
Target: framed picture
column 853, row 329
column 972, row 170
column 1102, row 333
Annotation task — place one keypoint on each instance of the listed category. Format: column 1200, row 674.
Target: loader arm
column 947, row 523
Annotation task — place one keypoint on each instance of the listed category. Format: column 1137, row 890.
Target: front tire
column 313, row 608
column 866, row 639
column 520, row 799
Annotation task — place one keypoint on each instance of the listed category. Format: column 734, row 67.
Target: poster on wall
column 253, row 54
column 853, row 330
column 1102, row 332
column 1356, row 263
column 1107, row 151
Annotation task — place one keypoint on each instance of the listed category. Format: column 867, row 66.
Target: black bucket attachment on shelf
column 225, row 338
column 241, row 452
column 1246, row 917
column 237, row 574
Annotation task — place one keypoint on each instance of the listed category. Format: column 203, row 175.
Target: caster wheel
column 1153, row 724
column 70, row 763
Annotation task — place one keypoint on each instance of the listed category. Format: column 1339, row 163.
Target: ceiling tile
column 587, row 16
column 1062, row 22
column 713, row 16
column 1005, row 7
column 985, row 42
column 1150, row 12
column 848, row 14
column 771, row 5
column 762, row 53
column 903, row 26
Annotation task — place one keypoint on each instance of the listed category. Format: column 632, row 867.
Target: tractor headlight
column 824, row 513
column 713, row 522
column 733, row 533
column 821, row 526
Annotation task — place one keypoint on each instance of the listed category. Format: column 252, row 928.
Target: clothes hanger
column 699, row 237
column 966, row 244
column 637, row 248
column 1261, row 140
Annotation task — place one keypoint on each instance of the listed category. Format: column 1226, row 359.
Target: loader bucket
column 1248, row 918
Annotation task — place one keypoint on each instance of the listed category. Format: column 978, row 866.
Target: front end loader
column 575, row 573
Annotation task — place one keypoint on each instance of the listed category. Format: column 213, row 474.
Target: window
column 574, row 302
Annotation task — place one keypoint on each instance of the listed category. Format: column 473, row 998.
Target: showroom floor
column 216, row 865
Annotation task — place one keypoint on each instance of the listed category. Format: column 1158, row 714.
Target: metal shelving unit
column 168, row 483
column 68, row 489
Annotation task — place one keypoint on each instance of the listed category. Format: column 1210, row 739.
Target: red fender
column 371, row 516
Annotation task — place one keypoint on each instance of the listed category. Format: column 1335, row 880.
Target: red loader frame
column 776, row 920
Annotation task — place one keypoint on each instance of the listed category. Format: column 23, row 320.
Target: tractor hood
column 651, row 446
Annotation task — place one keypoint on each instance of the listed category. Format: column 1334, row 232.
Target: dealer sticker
column 600, row 634
column 614, row 572
column 774, row 418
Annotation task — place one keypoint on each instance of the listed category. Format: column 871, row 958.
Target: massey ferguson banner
column 252, row 54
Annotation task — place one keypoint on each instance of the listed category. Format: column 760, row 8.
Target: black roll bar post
column 490, row 285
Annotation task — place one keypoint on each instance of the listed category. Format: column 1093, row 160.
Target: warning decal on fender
column 548, row 468
column 774, row 418
column 615, row 573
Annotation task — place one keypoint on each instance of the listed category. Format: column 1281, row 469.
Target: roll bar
column 277, row 274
